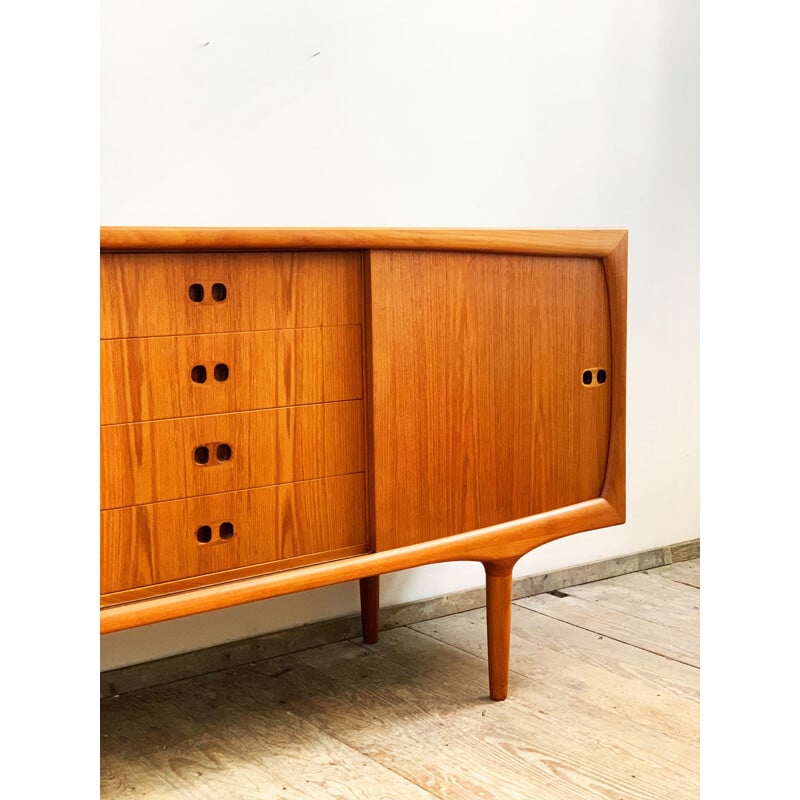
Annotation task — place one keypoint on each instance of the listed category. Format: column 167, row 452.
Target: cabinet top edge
column 565, row 242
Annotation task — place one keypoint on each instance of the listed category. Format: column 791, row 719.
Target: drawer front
column 164, row 294
column 180, row 376
column 161, row 542
column 148, row 462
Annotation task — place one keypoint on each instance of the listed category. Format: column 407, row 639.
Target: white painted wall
column 553, row 113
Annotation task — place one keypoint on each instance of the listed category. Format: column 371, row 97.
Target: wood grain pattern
column 150, row 544
column 145, row 294
column 478, row 408
column 625, row 682
column 665, row 732
column 134, row 598
column 684, row 551
column 615, row 268
column 570, row 242
column 687, row 572
column 478, row 384
column 208, row 659
column 148, row 462
column 369, row 591
column 619, row 625
column 245, row 755
column 549, row 648
column 420, row 707
column 646, row 597
column 506, row 540
column 498, row 625
column 150, row 378
column 589, row 719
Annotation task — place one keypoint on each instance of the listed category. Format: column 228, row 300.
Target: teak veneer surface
column 569, row 242
column 392, row 398
column 155, row 543
column 151, row 378
column 479, row 411
column 147, row 462
column 488, row 545
column 146, row 294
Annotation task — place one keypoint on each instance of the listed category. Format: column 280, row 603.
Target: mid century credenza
column 283, row 409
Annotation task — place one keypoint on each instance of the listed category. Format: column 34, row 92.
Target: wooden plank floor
column 603, row 703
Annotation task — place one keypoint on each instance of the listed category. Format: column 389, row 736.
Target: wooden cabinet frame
column 498, row 546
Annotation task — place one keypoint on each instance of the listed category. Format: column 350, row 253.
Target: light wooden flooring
column 603, row 703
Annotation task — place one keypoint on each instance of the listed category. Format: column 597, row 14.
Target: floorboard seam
column 617, row 611
column 349, row 746
column 682, row 583
column 606, row 636
column 368, row 757
column 329, row 719
column 461, row 650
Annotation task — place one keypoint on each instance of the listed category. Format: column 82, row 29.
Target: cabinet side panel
column 479, row 407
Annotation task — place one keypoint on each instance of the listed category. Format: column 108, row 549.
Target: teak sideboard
column 283, row 409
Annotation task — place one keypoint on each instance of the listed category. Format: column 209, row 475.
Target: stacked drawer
column 232, row 418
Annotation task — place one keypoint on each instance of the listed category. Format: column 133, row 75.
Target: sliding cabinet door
column 490, row 389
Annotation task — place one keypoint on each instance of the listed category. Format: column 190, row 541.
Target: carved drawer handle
column 219, row 292
column 226, row 530
column 202, row 453
column 204, row 533
column 197, row 292
column 594, row 377
column 200, row 373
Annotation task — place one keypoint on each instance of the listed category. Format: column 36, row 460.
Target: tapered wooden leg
column 370, row 605
column 498, row 624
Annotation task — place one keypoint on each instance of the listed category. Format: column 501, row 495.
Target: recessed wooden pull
column 594, row 377
column 200, row 373
column 201, row 455
column 196, row 293
column 219, row 292
column 204, row 534
column 226, row 530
